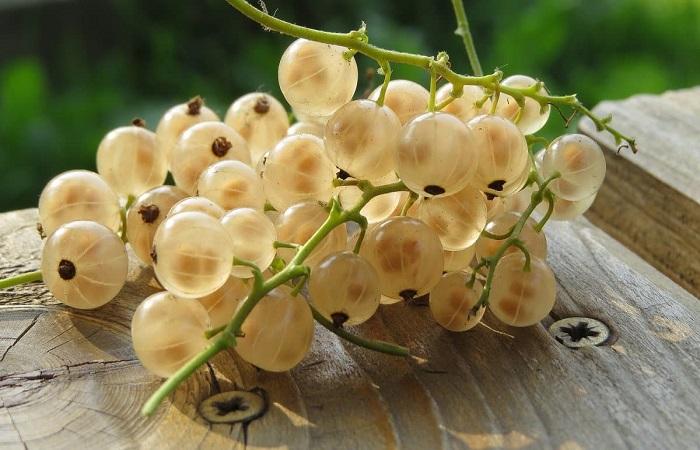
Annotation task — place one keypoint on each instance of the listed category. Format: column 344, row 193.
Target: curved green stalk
column 294, row 269
column 358, row 41
column 463, row 31
column 21, row 279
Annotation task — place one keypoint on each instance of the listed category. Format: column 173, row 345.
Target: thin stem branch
column 376, row 345
column 386, row 68
column 21, row 279
column 463, row 31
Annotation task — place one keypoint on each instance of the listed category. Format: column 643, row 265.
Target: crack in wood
column 21, row 335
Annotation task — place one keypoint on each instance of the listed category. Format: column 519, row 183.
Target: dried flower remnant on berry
column 194, row 106
column 221, row 146
column 66, row 269
column 149, row 213
column 262, row 105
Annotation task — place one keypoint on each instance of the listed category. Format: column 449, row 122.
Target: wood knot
column 235, row 406
column 577, row 332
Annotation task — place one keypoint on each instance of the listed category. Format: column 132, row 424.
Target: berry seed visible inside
column 221, row 146
column 66, row 269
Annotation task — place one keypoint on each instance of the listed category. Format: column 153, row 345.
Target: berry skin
column 84, row 264
column 580, row 162
column 278, row 332
column 197, row 204
column 201, row 146
column 144, row 216
column 567, row 209
column 464, row 107
column 78, row 195
column 192, row 254
column 252, row 235
column 522, row 298
column 406, row 98
column 314, row 129
column 298, row 169
column 232, row 184
column 260, row 119
column 535, row 242
column 380, row 207
column 407, row 256
column 451, row 302
column 503, row 155
column 128, row 159
column 457, row 219
column 532, row 116
column 459, row 260
column 167, row 331
column 315, row 78
column 221, row 305
column 299, row 222
column 361, row 138
column 177, row 120
column 437, row 155
column 345, row 288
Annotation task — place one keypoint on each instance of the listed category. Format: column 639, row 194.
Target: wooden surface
column 651, row 201
column 68, row 378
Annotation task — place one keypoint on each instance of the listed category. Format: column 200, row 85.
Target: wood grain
column 650, row 201
column 69, row 379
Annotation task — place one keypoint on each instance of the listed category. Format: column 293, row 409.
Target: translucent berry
column 197, row 204
column 84, row 264
column 581, row 164
column 437, row 155
column 533, row 116
column 78, row 195
column 178, row 119
column 201, row 146
column 252, row 235
column 221, row 305
column 298, row 169
column 232, row 184
column 312, row 128
column 299, row 222
column 451, row 302
column 406, row 254
column 535, row 242
column 503, row 155
column 192, row 254
column 316, row 78
column 129, row 160
column 465, row 107
column 567, row 209
column 167, row 332
column 345, row 289
column 457, row 219
column 520, row 297
column 459, row 260
column 260, row 119
column 362, row 137
column 406, row 98
column 278, row 332
column 144, row 216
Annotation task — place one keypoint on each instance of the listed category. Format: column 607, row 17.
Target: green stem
column 28, row 277
column 376, row 345
column 293, row 269
column 123, row 212
column 386, row 68
column 360, row 238
column 463, row 31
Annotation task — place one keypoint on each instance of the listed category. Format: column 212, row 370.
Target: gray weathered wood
column 69, row 379
column 651, row 200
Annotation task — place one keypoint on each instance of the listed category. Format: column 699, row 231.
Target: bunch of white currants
column 254, row 189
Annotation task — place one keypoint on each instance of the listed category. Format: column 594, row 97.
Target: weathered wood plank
column 651, row 201
column 69, row 378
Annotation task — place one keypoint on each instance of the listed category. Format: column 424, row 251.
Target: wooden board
column 68, row 378
column 651, row 201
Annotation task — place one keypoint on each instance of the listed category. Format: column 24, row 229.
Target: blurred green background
column 70, row 70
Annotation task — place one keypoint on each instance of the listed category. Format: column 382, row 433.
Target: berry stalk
column 28, row 277
column 463, row 31
column 358, row 41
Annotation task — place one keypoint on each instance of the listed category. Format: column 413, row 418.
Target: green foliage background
column 71, row 70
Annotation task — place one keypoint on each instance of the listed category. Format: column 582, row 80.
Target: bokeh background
column 70, row 70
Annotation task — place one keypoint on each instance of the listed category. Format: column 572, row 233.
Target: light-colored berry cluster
column 251, row 192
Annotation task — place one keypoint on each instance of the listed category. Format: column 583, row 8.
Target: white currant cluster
column 252, row 192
